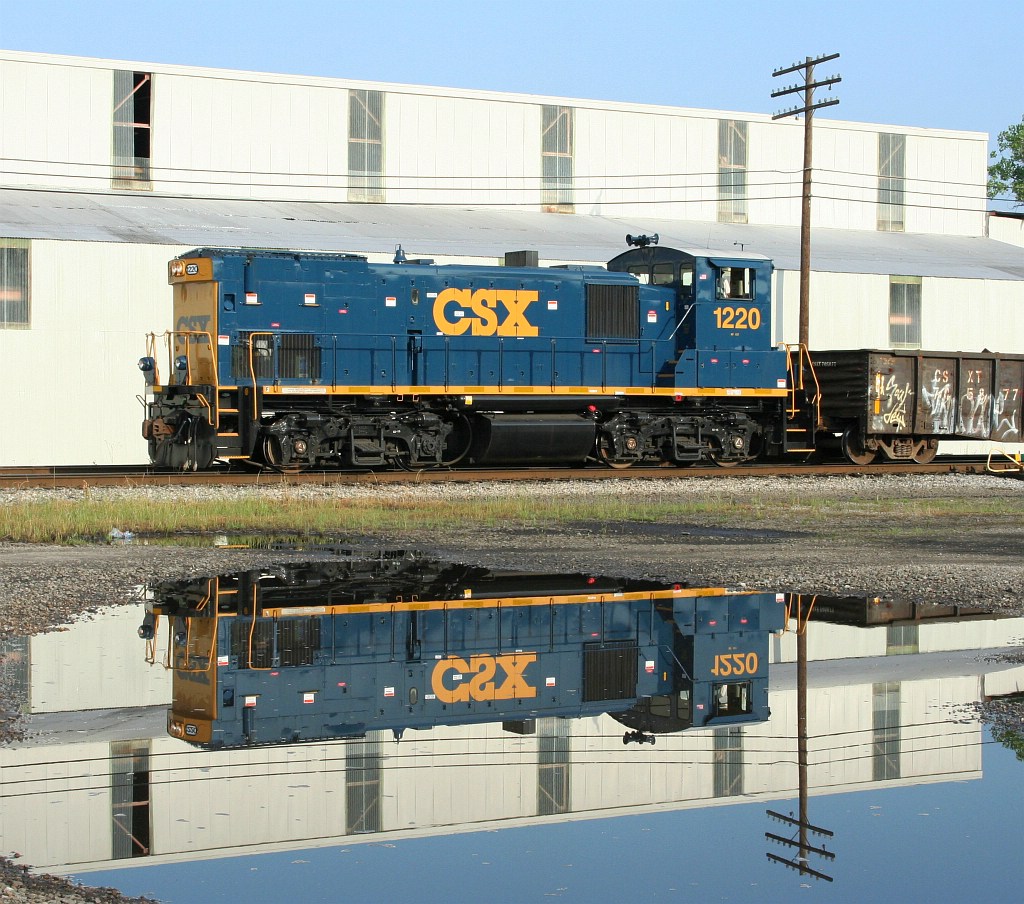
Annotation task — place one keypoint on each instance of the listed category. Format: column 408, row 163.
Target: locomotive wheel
column 461, row 440
column 273, row 455
column 854, row 450
column 723, row 462
column 925, row 452
column 719, row 457
column 606, row 452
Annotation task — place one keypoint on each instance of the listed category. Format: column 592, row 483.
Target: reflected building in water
column 511, row 694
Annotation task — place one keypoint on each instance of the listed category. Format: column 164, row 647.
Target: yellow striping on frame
column 648, row 391
column 470, row 603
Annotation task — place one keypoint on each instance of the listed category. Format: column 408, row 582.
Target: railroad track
column 78, row 477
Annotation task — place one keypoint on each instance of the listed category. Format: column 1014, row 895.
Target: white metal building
column 108, row 169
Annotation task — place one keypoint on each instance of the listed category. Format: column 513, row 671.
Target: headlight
column 147, row 365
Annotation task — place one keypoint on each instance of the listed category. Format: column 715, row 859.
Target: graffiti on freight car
column 1004, row 416
column 975, row 412
column 894, row 399
column 939, row 408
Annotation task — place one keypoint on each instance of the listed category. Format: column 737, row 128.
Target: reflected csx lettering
column 481, row 672
column 477, row 312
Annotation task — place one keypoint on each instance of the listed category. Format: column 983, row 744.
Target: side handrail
column 796, row 380
column 252, row 631
column 172, row 337
column 212, row 591
column 252, row 369
column 802, row 618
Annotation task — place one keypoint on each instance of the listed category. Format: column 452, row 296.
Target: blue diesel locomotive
column 337, row 649
column 299, row 361
column 303, row 360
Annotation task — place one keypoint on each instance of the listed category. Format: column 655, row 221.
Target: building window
column 365, row 145
column 554, row 744
column 905, row 311
column 129, row 799
column 885, row 731
column 901, row 640
column 363, row 772
column 892, row 185
column 133, row 127
column 728, row 762
column 732, row 171
column 556, row 159
column 14, row 284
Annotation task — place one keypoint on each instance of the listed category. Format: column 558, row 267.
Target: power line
column 716, row 174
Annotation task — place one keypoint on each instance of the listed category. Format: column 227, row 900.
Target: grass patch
column 92, row 518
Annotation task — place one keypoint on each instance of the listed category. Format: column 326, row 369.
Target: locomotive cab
column 723, row 333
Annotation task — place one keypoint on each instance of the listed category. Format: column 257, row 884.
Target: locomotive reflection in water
column 337, row 649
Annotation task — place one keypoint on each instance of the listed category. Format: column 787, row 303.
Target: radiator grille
column 613, row 312
column 609, row 671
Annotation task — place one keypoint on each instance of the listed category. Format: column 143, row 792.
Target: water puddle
column 384, row 712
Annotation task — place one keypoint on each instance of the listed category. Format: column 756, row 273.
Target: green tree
column 1010, row 738
column 1007, row 173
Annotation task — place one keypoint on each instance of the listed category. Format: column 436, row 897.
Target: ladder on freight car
column 803, row 407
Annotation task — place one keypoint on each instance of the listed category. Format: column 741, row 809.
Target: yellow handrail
column 801, row 617
column 796, row 380
column 252, row 373
column 252, row 630
column 212, row 591
column 170, row 338
column 1016, row 465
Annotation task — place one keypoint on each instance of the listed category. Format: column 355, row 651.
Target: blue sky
column 935, row 63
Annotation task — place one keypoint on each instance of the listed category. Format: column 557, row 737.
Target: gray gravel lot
column 979, row 561
column 965, row 560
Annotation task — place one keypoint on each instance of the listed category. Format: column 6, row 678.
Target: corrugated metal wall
column 248, row 135
column 70, row 381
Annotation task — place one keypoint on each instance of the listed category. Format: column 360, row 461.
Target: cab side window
column 664, row 274
column 736, row 282
column 686, row 280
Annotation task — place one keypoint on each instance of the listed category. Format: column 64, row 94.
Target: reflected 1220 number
column 727, row 664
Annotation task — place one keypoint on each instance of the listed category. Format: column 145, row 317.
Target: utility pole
column 808, row 108
column 801, row 827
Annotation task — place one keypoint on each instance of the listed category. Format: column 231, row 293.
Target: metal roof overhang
column 436, row 231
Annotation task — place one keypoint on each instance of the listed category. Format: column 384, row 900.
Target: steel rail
column 136, row 476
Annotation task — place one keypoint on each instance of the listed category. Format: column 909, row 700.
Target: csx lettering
column 482, row 671
column 197, row 323
column 483, row 305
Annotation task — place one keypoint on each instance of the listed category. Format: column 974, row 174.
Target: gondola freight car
column 897, row 405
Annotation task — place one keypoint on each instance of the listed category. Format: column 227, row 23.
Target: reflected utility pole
column 808, row 108
column 802, row 825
